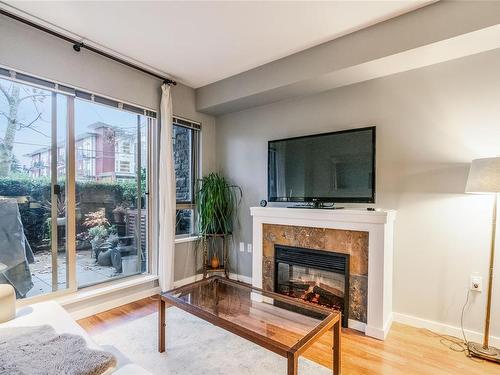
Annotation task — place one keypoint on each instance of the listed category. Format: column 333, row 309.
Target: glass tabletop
column 272, row 318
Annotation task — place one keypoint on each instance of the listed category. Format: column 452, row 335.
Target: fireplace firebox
column 314, row 276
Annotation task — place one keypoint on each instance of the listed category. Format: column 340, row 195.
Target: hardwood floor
column 407, row 350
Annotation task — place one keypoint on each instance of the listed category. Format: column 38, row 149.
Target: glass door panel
column 33, row 252
column 111, row 184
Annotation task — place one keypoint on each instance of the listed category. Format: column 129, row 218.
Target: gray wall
column 430, row 123
column 26, row 49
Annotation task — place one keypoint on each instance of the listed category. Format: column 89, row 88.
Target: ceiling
column 202, row 42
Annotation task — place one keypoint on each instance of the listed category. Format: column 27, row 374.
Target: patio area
column 87, row 271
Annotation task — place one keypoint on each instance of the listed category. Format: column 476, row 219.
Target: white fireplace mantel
column 379, row 224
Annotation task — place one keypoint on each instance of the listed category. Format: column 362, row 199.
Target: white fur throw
column 41, row 351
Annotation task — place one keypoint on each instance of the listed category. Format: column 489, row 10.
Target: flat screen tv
column 330, row 167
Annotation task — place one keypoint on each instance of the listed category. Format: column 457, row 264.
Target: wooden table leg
column 336, row 348
column 293, row 364
column 161, row 325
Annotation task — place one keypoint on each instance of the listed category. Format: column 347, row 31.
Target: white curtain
column 166, row 194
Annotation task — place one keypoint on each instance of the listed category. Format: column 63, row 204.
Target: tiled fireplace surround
column 349, row 242
column 367, row 236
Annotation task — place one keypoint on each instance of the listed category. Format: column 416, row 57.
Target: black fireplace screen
column 314, row 276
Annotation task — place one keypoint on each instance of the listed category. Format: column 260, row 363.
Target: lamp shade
column 484, row 176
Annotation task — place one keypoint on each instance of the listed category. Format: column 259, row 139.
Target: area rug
column 42, row 351
column 195, row 347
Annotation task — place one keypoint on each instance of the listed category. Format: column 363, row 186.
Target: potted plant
column 98, row 226
column 97, row 236
column 217, row 202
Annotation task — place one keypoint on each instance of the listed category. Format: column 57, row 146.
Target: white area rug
column 196, row 347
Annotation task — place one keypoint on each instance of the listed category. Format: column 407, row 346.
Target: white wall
column 430, row 123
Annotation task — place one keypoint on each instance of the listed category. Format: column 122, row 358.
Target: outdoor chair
column 15, row 251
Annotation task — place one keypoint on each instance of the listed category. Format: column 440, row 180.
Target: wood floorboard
column 406, row 351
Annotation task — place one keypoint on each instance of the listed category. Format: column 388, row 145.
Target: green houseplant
column 217, row 202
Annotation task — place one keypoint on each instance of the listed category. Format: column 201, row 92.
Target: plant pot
column 96, row 244
column 104, row 258
column 214, row 262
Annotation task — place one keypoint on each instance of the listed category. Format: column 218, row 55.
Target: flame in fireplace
column 315, row 290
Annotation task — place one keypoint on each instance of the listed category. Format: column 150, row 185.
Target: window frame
column 196, row 130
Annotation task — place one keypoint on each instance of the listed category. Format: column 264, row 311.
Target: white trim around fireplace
column 379, row 225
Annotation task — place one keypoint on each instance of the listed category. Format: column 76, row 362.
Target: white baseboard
column 187, row 280
column 98, row 298
column 442, row 328
column 375, row 332
column 93, row 309
column 388, row 325
column 357, row 325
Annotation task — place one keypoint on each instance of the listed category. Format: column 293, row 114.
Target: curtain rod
column 78, row 45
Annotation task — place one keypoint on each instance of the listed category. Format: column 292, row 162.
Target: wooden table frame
column 331, row 322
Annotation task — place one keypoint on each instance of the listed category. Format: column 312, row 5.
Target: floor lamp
column 484, row 178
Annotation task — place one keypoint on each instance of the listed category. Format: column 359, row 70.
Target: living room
column 323, row 198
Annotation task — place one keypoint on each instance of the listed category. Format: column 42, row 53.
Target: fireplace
column 314, row 276
column 366, row 236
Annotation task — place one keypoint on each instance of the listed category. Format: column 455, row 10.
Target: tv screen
column 330, row 167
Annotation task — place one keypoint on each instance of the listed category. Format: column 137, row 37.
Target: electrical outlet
column 249, row 247
column 476, row 283
column 242, row 247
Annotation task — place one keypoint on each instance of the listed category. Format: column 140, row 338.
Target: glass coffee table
column 282, row 324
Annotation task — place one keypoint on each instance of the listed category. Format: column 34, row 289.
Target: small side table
column 224, row 265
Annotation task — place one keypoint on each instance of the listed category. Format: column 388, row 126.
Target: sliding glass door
column 73, row 188
column 33, row 124
column 111, row 175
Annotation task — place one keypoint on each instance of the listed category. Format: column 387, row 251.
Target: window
column 186, row 160
column 112, row 225
column 56, row 132
column 126, row 147
column 124, row 166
